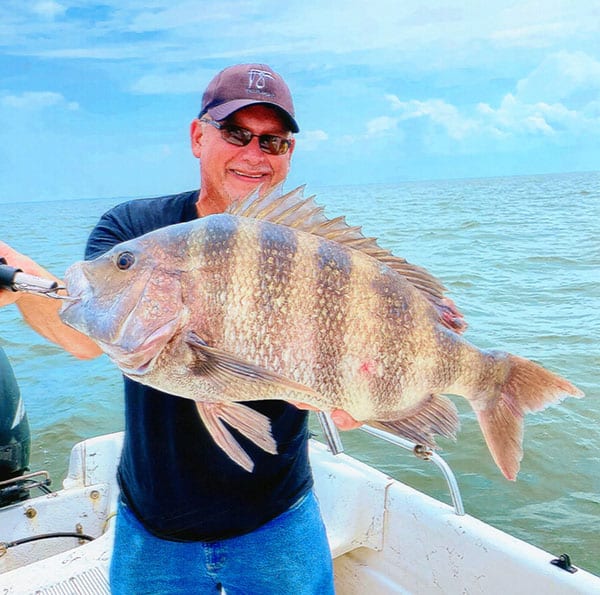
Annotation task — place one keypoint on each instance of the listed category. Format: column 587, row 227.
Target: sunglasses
column 236, row 135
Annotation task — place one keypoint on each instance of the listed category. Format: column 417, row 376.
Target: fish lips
column 141, row 360
column 72, row 312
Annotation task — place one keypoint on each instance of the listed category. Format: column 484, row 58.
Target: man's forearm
column 41, row 313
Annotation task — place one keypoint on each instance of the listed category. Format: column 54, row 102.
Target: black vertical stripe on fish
column 218, row 247
column 277, row 248
column 394, row 309
column 334, row 270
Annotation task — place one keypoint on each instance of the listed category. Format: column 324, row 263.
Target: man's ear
column 196, row 136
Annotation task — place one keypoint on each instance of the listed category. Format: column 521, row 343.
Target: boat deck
column 385, row 537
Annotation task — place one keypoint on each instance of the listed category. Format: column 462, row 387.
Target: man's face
column 229, row 172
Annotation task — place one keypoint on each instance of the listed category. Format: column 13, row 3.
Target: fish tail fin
column 527, row 387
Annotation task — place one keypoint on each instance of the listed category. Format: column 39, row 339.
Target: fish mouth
column 68, row 302
column 70, row 312
column 77, row 287
column 141, row 361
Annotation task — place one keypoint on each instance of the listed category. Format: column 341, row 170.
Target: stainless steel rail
column 425, row 454
column 335, row 445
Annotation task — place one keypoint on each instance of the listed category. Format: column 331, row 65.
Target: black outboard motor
column 15, row 439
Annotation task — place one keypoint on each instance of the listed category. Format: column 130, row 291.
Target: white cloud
column 512, row 119
column 381, row 125
column 311, row 140
column 561, row 76
column 48, row 9
column 519, row 118
column 531, row 36
column 424, row 38
column 37, row 100
column 440, row 113
column 417, row 38
column 558, row 101
column 185, row 14
column 97, row 52
column 469, row 77
column 537, row 24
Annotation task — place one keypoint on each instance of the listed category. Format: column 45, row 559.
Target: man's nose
column 253, row 152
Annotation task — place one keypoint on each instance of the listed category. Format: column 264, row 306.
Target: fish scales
column 333, row 267
column 393, row 303
column 381, row 339
column 262, row 296
column 277, row 247
column 216, row 249
column 329, row 282
column 289, row 304
column 340, row 279
column 284, row 312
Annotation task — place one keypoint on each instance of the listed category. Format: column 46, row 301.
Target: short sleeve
column 113, row 228
column 134, row 218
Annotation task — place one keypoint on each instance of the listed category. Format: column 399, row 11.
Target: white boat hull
column 385, row 536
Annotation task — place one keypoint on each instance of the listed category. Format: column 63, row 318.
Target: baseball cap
column 241, row 85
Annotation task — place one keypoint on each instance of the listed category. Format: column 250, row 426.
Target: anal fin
column 437, row 415
column 253, row 425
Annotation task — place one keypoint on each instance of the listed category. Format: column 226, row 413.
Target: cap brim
column 220, row 112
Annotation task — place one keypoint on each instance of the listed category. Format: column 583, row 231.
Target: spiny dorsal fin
column 299, row 212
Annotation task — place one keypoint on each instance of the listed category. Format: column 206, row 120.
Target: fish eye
column 125, row 260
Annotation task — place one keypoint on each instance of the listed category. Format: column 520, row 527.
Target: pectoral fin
column 253, row 425
column 239, row 380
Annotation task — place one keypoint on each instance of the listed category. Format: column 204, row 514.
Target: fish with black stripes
column 271, row 299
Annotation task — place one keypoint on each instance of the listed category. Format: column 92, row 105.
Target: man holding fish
column 191, row 519
column 243, row 307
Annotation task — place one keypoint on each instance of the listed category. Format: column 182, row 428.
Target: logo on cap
column 257, row 81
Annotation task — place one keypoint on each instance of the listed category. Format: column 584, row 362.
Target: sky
column 96, row 98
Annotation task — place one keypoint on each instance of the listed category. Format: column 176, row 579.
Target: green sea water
column 520, row 256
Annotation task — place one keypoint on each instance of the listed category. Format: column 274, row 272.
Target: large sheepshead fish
column 273, row 300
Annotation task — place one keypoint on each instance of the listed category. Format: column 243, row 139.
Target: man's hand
column 40, row 312
column 342, row 420
column 8, row 297
column 18, row 261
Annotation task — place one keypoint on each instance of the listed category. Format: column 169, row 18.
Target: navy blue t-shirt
column 176, row 480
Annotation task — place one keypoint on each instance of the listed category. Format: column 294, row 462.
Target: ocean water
column 520, row 256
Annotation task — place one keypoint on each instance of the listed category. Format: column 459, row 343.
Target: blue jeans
column 287, row 556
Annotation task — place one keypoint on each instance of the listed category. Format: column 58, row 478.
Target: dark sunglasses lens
column 236, row 136
column 275, row 145
column 268, row 143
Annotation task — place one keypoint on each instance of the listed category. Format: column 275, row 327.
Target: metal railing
column 335, row 445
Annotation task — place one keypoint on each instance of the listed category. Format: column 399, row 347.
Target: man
column 191, row 520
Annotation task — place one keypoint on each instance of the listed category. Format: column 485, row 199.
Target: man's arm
column 41, row 313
